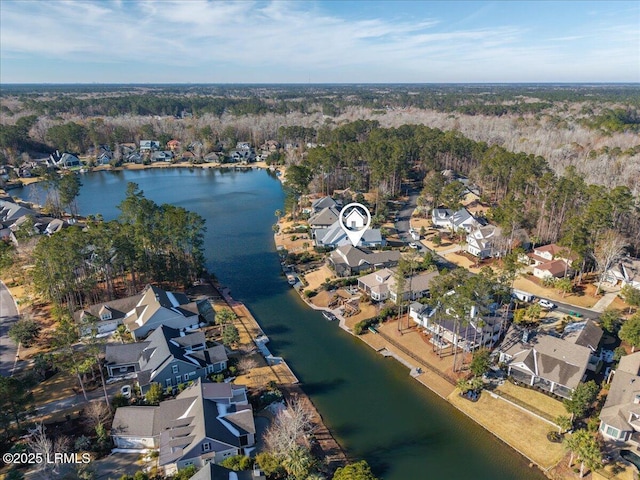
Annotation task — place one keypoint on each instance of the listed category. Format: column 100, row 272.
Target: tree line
column 149, row 242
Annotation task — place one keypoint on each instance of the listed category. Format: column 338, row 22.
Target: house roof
column 357, row 256
column 324, row 202
column 165, row 305
column 135, row 422
column 586, row 333
column 441, row 213
column 118, row 308
column 327, row 216
column 11, row 211
column 548, row 357
column 624, row 392
column 383, row 280
column 335, row 236
column 554, row 267
column 121, row 354
column 482, row 236
column 182, row 423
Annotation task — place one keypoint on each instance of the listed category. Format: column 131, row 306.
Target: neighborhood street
column 8, row 316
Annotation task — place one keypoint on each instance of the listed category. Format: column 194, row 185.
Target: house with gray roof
column 168, row 357
column 381, row 285
column 335, row 236
column 324, row 202
column 620, row 416
column 206, row 423
column 480, row 330
column 11, row 211
column 626, row 271
column 324, row 218
column 159, row 307
column 460, row 219
column 553, row 364
column 105, row 316
column 348, row 260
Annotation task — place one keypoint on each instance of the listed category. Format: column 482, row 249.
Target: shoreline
column 424, row 373
column 162, row 165
column 334, row 455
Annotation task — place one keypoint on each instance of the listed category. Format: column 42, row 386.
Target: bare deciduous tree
column 45, row 448
column 608, row 248
column 291, row 428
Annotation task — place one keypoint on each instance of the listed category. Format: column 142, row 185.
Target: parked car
column 125, row 390
column 546, row 304
column 575, row 314
column 414, row 245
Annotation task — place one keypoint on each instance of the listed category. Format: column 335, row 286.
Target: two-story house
column 206, row 423
column 620, row 416
column 168, row 357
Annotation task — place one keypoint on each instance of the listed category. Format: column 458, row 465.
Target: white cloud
column 287, row 41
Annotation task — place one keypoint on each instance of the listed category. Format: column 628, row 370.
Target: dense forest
column 593, row 128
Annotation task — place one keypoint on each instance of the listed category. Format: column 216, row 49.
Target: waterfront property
column 553, row 364
column 145, row 312
column 334, row 236
column 348, row 260
column 168, row 357
column 381, row 285
column 205, row 423
column 478, row 331
column 620, row 416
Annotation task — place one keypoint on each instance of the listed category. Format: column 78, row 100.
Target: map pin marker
column 355, row 220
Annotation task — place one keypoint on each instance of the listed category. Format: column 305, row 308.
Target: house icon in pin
column 354, row 220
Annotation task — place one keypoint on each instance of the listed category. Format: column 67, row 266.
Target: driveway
column 8, row 316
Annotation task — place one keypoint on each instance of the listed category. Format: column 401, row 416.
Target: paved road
column 403, row 226
column 75, row 400
column 8, row 316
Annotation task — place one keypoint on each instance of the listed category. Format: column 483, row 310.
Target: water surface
column 371, row 404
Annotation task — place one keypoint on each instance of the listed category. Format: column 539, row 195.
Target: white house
column 626, row 271
column 480, row 241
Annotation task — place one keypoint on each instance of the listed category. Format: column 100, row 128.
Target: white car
column 125, row 390
column 414, row 245
column 546, row 304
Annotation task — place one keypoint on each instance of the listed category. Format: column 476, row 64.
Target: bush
column 24, row 331
column 118, row 401
column 237, row 463
column 310, row 293
column 554, row 437
column 362, row 326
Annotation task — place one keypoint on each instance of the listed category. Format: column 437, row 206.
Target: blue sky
column 194, row 41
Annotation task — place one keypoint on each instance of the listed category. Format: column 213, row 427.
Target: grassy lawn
column 55, row 388
column 539, row 402
column 522, row 431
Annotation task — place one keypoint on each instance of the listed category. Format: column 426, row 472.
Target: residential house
column 553, row 269
column 348, row 260
column 547, row 253
column 243, row 156
column 620, row 416
column 173, row 145
column 381, row 285
column 104, row 158
column 216, row 472
column 168, row 357
column 325, row 202
column 212, row 157
column 478, row 331
column 454, row 221
column 480, row 241
column 161, row 156
column 335, row 236
column 158, row 307
column 133, row 157
column 553, row 364
column 206, row 423
column 149, row 145
column 105, row 317
column 187, row 156
column 324, row 218
column 66, row 160
column 625, row 271
column 440, row 217
column 10, row 212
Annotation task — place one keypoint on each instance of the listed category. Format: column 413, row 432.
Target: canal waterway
column 371, row 404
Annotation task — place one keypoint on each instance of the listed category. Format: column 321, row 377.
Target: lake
column 371, row 404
